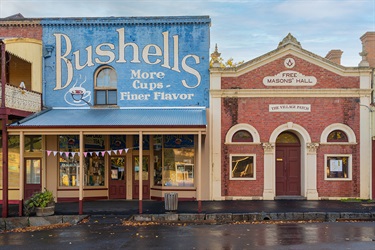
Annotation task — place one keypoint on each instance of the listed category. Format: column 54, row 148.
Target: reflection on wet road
column 112, row 235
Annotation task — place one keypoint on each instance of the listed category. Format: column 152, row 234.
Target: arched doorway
column 288, row 164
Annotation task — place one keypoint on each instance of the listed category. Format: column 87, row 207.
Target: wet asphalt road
column 108, row 233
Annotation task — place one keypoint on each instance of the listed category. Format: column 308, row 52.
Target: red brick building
column 290, row 124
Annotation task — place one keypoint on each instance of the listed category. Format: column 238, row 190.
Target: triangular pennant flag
column 61, row 153
column 73, row 154
column 103, row 153
column 67, row 154
column 120, row 151
column 126, row 150
column 109, row 152
column 115, row 151
column 91, row 153
column 85, row 154
column 54, row 153
column 48, row 152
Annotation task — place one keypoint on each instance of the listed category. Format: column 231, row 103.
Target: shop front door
column 32, row 176
column 288, row 165
column 145, row 177
column 117, row 178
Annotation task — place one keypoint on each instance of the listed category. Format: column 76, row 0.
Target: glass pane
column 287, row 137
column 94, row 166
column 144, row 168
column 337, row 136
column 178, row 167
column 69, row 161
column 337, row 167
column 33, row 143
column 118, row 168
column 158, row 155
column 33, row 171
column 13, row 161
column 242, row 167
column 112, row 97
column 107, row 78
column 242, row 136
column 100, row 97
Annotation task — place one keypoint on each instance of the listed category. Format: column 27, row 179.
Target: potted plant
column 42, row 203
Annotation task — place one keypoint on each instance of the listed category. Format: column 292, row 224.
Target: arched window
column 106, row 86
column 242, row 136
column 337, row 136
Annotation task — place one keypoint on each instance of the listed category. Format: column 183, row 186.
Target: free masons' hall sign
column 289, row 77
column 154, row 62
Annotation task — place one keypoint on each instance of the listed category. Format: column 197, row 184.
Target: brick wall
column 25, row 29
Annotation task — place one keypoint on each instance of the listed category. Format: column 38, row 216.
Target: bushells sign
column 158, row 61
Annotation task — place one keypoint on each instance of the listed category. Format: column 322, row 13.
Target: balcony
column 16, row 98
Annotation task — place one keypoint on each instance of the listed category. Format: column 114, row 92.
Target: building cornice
column 290, row 49
column 331, row 93
column 114, row 21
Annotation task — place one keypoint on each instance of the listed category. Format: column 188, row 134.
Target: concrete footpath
column 211, row 211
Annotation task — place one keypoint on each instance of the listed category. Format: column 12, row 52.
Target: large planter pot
column 45, row 211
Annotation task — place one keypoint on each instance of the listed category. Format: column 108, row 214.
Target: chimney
column 368, row 48
column 334, row 56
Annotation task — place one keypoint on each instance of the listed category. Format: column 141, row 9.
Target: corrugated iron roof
column 115, row 118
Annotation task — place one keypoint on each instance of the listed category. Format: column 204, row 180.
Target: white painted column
column 311, row 171
column 365, row 149
column 215, row 138
column 269, row 171
column 199, row 167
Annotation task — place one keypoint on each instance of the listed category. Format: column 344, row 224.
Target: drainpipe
column 4, row 133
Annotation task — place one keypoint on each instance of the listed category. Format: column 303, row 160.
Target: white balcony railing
column 24, row 100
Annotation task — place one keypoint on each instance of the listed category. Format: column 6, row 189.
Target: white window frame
column 241, row 178
column 350, row 167
column 242, row 126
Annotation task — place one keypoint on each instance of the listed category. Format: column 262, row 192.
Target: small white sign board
column 289, row 108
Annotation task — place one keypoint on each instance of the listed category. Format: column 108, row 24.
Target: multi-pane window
column 106, row 86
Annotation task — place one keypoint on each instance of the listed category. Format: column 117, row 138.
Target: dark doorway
column 288, row 165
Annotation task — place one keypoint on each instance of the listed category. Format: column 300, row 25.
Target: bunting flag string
column 90, row 153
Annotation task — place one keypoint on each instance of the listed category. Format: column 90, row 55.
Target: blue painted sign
column 128, row 62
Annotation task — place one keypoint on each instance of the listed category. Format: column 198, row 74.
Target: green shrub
column 39, row 199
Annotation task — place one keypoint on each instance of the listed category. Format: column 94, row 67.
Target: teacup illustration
column 79, row 94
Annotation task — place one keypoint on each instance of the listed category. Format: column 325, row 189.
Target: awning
column 100, row 118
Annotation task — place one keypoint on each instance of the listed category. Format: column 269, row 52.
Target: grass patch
column 357, row 200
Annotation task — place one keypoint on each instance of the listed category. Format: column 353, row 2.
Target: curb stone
column 23, row 222
column 253, row 217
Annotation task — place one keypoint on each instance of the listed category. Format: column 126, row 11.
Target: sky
column 242, row 29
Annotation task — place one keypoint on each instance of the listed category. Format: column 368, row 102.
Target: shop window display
column 94, row 162
column 338, row 167
column 13, row 161
column 178, row 160
column 69, row 161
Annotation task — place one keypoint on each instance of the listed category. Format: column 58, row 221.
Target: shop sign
column 155, row 65
column 289, row 108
